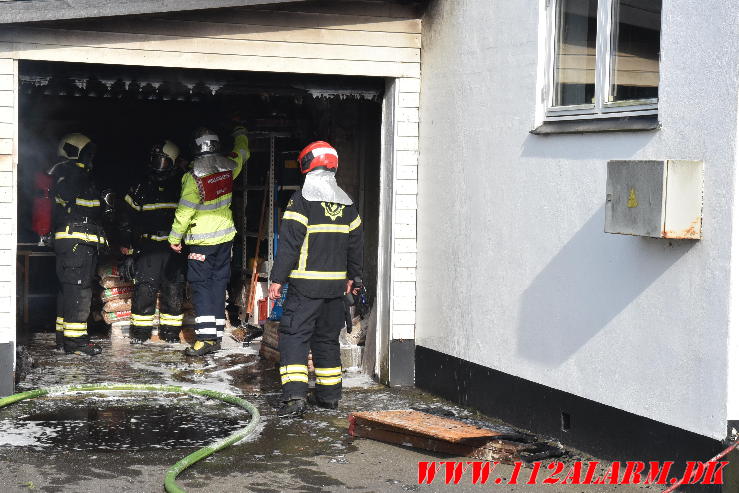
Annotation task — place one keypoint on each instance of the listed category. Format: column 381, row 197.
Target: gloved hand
column 127, row 268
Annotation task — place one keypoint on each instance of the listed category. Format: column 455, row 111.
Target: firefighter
column 204, row 222
column 78, row 238
column 144, row 228
column 320, row 249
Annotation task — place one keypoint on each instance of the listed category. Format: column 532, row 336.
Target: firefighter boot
column 294, row 408
column 140, row 335
column 201, row 348
column 169, row 334
column 81, row 345
column 59, row 341
column 326, row 404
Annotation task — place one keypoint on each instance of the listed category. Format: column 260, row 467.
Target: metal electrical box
column 661, row 199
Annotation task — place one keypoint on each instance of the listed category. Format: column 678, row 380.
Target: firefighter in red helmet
column 319, row 276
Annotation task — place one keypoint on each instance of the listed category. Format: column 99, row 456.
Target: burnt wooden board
column 427, row 425
column 426, row 431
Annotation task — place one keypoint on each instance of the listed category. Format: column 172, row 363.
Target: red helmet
column 318, row 155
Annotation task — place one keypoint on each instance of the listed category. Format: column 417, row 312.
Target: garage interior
column 126, row 109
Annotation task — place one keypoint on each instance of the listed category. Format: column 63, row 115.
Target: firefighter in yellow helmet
column 204, row 222
column 144, row 225
column 78, row 237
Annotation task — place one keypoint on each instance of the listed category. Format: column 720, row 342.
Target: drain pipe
column 170, row 484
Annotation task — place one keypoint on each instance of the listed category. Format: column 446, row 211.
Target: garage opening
column 126, row 109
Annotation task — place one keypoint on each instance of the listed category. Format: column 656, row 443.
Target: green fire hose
column 169, row 480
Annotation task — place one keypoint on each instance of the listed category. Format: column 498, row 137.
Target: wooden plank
column 269, row 353
column 6, row 163
column 6, row 66
column 7, row 129
column 265, row 17
column 504, row 451
column 15, row 11
column 428, row 425
column 206, row 45
column 7, row 115
column 214, row 61
column 352, row 7
column 7, row 82
column 7, row 98
column 6, row 146
column 224, row 30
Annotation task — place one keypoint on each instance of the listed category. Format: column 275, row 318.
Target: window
column 604, row 58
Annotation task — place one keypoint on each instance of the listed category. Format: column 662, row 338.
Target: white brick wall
column 405, row 186
column 8, row 135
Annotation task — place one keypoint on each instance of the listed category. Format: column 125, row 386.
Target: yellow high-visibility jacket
column 200, row 222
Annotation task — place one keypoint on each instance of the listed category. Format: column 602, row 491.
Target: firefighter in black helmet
column 144, row 227
column 78, row 238
column 323, row 215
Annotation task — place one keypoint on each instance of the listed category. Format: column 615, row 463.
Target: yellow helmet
column 71, row 145
column 163, row 157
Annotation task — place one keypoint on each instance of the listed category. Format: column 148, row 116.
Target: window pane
column 574, row 52
column 635, row 45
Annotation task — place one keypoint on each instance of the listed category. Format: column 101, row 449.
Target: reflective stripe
column 220, row 321
column 328, row 372
column 328, row 228
column 355, row 224
column 75, row 325
column 323, row 150
column 328, row 380
column 295, row 216
column 175, row 234
column 204, row 236
column 142, row 320
column 210, row 331
column 87, row 203
column 317, row 274
column 66, row 235
column 129, row 201
column 149, row 207
column 207, row 207
column 59, row 201
column 205, row 319
column 171, row 320
column 303, row 259
column 294, row 369
column 159, row 205
column 59, row 324
column 294, row 377
column 154, row 237
column 74, row 333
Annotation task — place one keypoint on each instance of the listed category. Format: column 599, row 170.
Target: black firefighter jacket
column 320, row 247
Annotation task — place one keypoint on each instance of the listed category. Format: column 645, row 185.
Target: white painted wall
column 514, row 270
column 8, row 206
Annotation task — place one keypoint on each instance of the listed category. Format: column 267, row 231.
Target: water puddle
column 118, row 423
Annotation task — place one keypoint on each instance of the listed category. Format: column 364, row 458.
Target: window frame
column 602, row 107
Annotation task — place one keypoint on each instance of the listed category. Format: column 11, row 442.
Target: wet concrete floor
column 117, row 441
